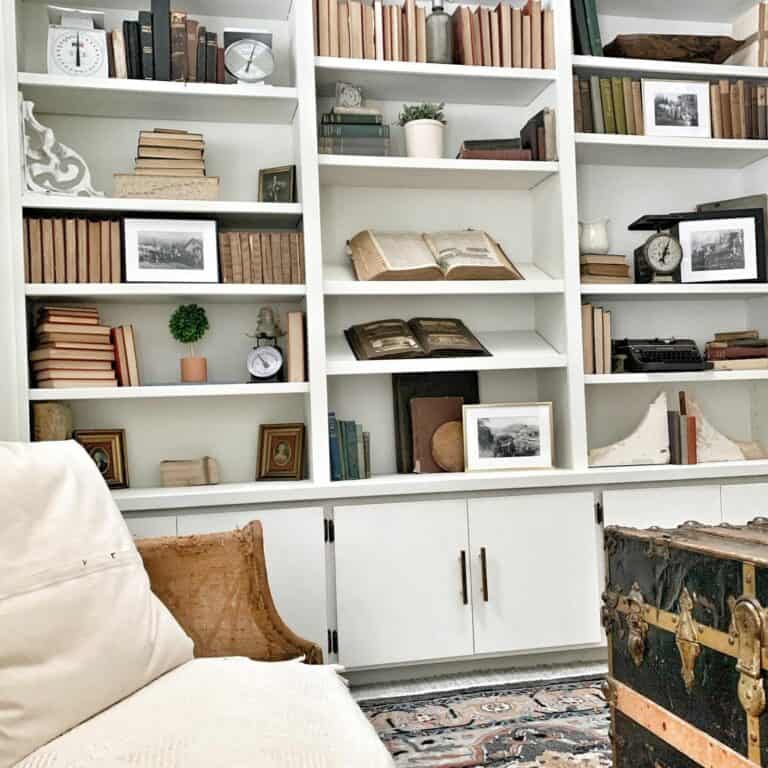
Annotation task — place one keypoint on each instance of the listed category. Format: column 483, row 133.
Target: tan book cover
column 225, row 257
column 477, row 40
column 386, row 19
column 73, row 327
column 80, row 365
column 143, row 163
column 725, row 107
column 77, row 383
column 533, row 10
column 277, row 261
column 588, row 338
column 104, row 249
column 302, row 260
column 637, row 106
column 68, row 337
column 409, row 7
column 245, row 256
column 333, row 27
column 121, row 357
column 132, row 356
column 67, row 309
column 73, row 374
column 607, row 331
column 602, row 258
column 548, row 16
column 35, row 250
column 191, row 28
column 285, row 257
column 257, row 265
column 736, row 125
column 505, row 32
column 421, row 34
column 59, row 252
column 629, row 107
column 295, row 256
column 427, row 415
column 323, row 28
column 94, row 252
column 495, row 40
column 55, row 353
column 70, row 249
column 186, row 172
column 378, row 21
column 369, row 32
column 81, row 227
column 517, row 37
column 118, row 50
column 356, row 29
column 485, row 35
column 296, row 366
column 160, row 141
column 66, row 319
column 344, row 48
column 115, row 252
column 717, row 115
column 25, row 235
column 597, row 322
column 266, row 257
column 395, row 33
column 237, row 258
column 527, row 45
column 49, row 273
column 172, row 153
column 462, row 36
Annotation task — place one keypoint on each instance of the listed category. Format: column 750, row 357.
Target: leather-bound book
column 161, row 38
column 220, row 72
column 192, row 27
column 147, row 46
column 179, row 46
column 427, row 414
column 132, row 49
column 211, row 48
column 201, row 50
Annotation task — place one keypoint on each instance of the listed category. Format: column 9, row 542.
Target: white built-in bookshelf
column 532, row 327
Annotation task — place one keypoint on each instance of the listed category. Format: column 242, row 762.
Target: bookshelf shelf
column 340, row 281
column 675, row 291
column 267, row 10
column 170, row 390
column 673, row 378
column 509, row 351
column 60, row 95
column 684, row 10
column 424, row 173
column 452, row 83
column 654, row 152
column 605, row 66
column 157, row 292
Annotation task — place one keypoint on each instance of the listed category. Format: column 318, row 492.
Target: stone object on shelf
column 713, row 445
column 186, row 472
column 51, row 421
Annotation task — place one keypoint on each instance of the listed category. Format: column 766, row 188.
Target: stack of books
column 170, row 152
column 126, row 363
column 262, row 257
column 608, row 105
column 353, row 131
column 604, row 268
column 682, row 434
column 350, row 449
column 738, row 351
column 539, row 135
column 73, row 349
column 493, row 149
column 596, row 339
column 739, row 110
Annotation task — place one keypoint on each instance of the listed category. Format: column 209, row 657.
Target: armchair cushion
column 80, row 628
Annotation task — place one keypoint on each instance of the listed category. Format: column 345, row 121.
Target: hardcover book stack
column 608, row 105
column 72, row 249
column 493, row 149
column 503, row 36
column 73, row 349
column 262, row 257
column 738, row 351
column 739, row 110
column 353, row 131
column 596, row 337
column 126, row 363
column 165, row 44
column 682, row 434
column 539, row 135
column 350, row 449
column 604, row 268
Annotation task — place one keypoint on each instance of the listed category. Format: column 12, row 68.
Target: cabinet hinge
column 331, row 532
column 326, row 533
column 330, row 641
column 599, row 519
column 335, row 642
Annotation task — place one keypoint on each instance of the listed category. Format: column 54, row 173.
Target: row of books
column 73, row 349
column 608, row 105
column 737, row 351
column 604, row 268
column 72, row 249
column 353, row 131
column 170, row 152
column 164, row 44
column 596, row 339
column 682, row 434
column 539, row 135
column 262, row 257
column 350, row 449
column 503, row 36
column 739, row 110
column 126, row 361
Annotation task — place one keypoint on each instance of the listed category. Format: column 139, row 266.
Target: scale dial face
column 249, row 60
column 78, row 52
column 264, row 362
column 663, row 253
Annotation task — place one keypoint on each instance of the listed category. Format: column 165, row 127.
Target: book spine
column 201, row 46
column 351, row 445
column 161, row 38
column 192, row 50
column 673, row 427
column 220, row 70
column 360, row 451
column 367, row 454
column 333, row 439
column 178, row 46
column 593, row 27
column 637, row 106
column 617, row 91
column 111, row 71
column 725, row 109
column 147, row 46
column 578, row 114
column 342, row 437
column 359, row 131
column 517, row 38
column 586, row 106
column 717, row 119
column 581, row 31
column 597, row 104
column 211, row 47
column 331, row 118
column 133, row 49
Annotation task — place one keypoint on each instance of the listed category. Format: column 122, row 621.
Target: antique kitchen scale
column 265, row 361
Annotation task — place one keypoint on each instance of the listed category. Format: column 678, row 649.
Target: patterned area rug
column 524, row 726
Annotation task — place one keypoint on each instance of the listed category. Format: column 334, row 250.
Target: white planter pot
column 424, row 138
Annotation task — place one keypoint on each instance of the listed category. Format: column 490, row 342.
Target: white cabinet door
column 541, row 570
column 151, row 526
column 666, row 507
column 399, row 582
column 744, row 502
column 294, row 549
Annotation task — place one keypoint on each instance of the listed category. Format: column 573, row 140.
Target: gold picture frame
column 107, row 449
column 281, row 452
column 277, row 185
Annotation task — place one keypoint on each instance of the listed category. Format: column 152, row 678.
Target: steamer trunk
column 688, row 645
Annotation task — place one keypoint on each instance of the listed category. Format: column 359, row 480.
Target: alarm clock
column 265, row 361
column 658, row 259
column 77, row 43
column 249, row 60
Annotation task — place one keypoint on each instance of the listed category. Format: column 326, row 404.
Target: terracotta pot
column 194, row 370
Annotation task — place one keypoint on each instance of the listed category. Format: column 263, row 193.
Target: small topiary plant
column 411, row 112
column 188, row 325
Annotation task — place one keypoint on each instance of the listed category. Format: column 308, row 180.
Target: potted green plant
column 188, row 325
column 424, row 125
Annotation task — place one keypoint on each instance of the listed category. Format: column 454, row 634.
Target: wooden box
column 688, row 645
column 167, row 187
column 188, row 472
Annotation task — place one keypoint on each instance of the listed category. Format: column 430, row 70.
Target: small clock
column 249, row 60
column 348, row 95
column 265, row 362
column 658, row 259
column 77, row 52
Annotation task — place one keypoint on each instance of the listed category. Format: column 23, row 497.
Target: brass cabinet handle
column 484, row 571
column 464, row 591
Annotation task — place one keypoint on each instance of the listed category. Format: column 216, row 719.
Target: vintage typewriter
column 660, row 355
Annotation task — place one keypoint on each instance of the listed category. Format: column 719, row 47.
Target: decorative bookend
column 49, row 165
column 712, row 445
column 648, row 444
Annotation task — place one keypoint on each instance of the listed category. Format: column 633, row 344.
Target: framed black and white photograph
column 277, row 185
column 719, row 250
column 512, row 436
column 171, row 251
column 676, row 108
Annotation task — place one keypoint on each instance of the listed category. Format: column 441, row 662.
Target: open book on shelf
column 465, row 255
column 420, row 337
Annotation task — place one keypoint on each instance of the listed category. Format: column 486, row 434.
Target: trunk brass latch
column 687, row 639
column 636, row 624
column 746, row 631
